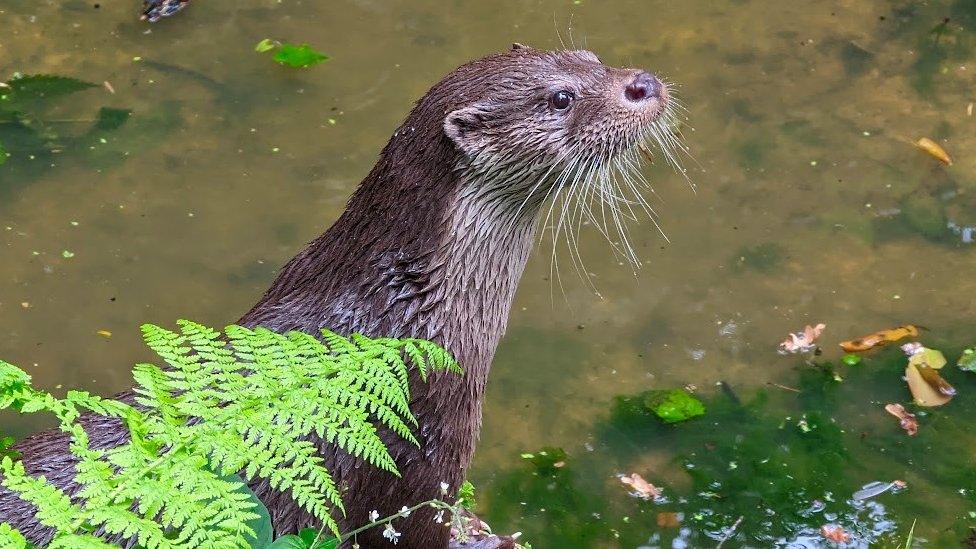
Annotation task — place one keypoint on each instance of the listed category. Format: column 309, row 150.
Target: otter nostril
column 643, row 86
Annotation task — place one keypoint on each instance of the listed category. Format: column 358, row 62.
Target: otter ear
column 467, row 128
column 516, row 46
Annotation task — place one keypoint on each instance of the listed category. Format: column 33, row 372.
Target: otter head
column 549, row 106
column 533, row 122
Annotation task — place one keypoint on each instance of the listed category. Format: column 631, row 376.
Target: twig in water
column 784, row 387
column 730, row 533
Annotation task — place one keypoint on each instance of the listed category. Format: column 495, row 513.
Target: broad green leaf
column 43, row 86
column 110, row 119
column 674, row 405
column 265, row 45
column 317, row 539
column 291, row 541
column 263, row 529
column 298, row 56
column 967, row 361
column 851, row 359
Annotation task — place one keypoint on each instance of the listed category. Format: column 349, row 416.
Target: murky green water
column 811, row 206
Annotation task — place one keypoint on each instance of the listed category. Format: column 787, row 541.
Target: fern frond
column 246, row 401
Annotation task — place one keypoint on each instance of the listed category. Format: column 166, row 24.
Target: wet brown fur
column 429, row 246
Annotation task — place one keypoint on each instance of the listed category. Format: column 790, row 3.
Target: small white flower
column 444, row 488
column 374, row 515
column 404, row 512
column 391, row 534
column 439, row 517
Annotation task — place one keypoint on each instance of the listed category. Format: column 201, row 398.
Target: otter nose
column 643, row 87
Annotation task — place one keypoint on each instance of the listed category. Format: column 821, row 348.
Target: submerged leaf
column 923, row 391
column 299, row 56
column 110, row 119
column 43, row 86
column 674, row 405
column 935, row 150
column 907, row 419
column 879, row 339
column 835, row 533
column 642, row 488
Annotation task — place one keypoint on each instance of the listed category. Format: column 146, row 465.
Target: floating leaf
column 967, row 361
column 802, row 342
column 851, row 359
column 265, row 45
column 879, row 339
column 935, row 150
column 924, row 393
column 928, row 358
column 104, row 333
column 642, row 488
column 907, row 419
column 674, row 405
column 110, row 119
column 298, row 56
column 933, row 378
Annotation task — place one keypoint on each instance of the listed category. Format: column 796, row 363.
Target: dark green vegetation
column 28, row 132
column 787, row 462
column 291, row 55
column 254, row 397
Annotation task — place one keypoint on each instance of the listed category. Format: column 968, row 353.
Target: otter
column 432, row 245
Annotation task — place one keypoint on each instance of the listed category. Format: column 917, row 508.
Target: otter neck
column 424, row 249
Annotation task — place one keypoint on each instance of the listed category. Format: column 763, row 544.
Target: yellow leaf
column 923, row 392
column 104, row 333
column 935, row 150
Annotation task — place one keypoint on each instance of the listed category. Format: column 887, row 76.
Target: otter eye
column 561, row 100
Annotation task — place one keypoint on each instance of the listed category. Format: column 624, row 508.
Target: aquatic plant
column 244, row 401
column 25, row 129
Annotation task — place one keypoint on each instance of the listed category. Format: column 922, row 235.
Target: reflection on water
column 811, row 206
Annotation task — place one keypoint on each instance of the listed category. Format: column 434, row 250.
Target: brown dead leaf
column 879, row 339
column 835, row 533
column 668, row 520
column 802, row 342
column 935, row 150
column 907, row 419
column 927, row 386
column 642, row 488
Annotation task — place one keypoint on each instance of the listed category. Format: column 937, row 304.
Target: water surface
column 810, row 205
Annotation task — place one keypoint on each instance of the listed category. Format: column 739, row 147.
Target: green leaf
column 43, row 86
column 3, row 155
column 674, row 405
column 291, row 541
column 299, row 56
column 316, row 539
column 851, row 359
column 265, row 45
column 967, row 361
column 111, row 119
column 263, row 529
